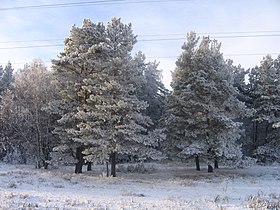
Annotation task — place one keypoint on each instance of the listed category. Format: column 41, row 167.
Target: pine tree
column 1, row 73
column 149, row 87
column 265, row 90
column 100, row 109
column 245, row 95
column 6, row 77
column 265, row 87
column 203, row 106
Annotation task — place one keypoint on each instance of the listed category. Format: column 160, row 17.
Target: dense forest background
column 99, row 103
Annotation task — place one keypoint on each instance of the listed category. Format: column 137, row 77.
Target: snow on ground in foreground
column 168, row 186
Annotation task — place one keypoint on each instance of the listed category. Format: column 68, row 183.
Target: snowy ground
column 166, row 186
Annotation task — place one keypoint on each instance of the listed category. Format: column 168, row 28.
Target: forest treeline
column 99, row 103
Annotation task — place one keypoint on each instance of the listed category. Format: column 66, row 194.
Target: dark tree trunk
column 216, row 164
column 210, row 169
column 107, row 169
column 78, row 168
column 89, row 164
column 79, row 156
column 113, row 164
column 255, row 134
column 197, row 163
column 266, row 132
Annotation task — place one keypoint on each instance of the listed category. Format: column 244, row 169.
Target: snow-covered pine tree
column 150, row 87
column 1, row 76
column 245, row 95
column 100, row 110
column 6, row 77
column 202, row 108
column 265, row 89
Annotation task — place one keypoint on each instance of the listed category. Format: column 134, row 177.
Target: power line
column 227, row 55
column 211, row 33
column 31, row 46
column 169, row 34
column 214, row 37
column 244, row 36
column 251, row 54
column 140, row 40
column 168, row 39
column 165, row 57
column 85, row 3
column 44, row 6
column 32, row 40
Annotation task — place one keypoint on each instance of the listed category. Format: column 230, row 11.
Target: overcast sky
column 256, row 20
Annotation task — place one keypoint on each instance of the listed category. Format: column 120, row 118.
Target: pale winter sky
column 247, row 29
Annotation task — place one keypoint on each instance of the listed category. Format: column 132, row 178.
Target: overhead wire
column 165, row 37
column 227, row 55
column 212, row 33
column 249, row 35
column 233, row 34
column 168, row 57
column 140, row 40
column 86, row 3
column 31, row 46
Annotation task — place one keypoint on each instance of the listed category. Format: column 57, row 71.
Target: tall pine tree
column 100, row 111
column 203, row 106
column 265, row 91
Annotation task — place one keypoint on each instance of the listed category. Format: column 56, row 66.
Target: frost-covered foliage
column 63, row 155
column 265, row 91
column 151, row 89
column 26, row 127
column 265, row 81
column 268, row 153
column 6, row 77
column 203, row 107
column 97, row 80
column 276, row 125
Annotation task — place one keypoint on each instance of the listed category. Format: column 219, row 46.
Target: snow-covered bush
column 14, row 155
column 243, row 162
column 136, row 168
column 62, row 155
column 268, row 153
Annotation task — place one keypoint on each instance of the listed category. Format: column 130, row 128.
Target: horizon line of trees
column 99, row 102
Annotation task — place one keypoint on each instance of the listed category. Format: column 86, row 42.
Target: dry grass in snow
column 160, row 186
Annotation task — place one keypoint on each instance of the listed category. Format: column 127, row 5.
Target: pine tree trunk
column 78, row 167
column 266, row 133
column 210, row 169
column 216, row 164
column 254, row 133
column 89, row 164
column 113, row 164
column 255, row 130
column 79, row 156
column 107, row 169
column 197, row 163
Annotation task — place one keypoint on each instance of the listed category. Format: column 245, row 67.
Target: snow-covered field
column 164, row 186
